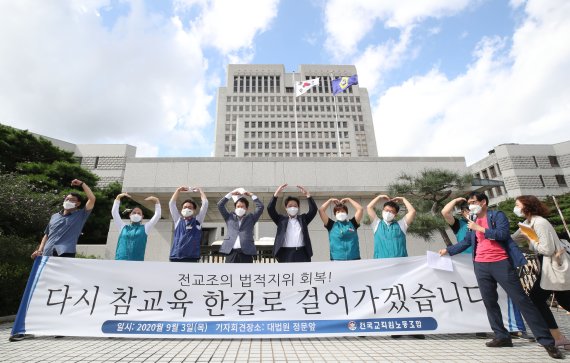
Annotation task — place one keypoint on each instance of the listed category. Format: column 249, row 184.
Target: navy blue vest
column 187, row 238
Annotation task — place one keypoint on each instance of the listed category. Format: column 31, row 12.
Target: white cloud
column 231, row 26
column 348, row 22
column 144, row 80
column 517, row 95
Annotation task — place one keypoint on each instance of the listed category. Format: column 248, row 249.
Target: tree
column 428, row 192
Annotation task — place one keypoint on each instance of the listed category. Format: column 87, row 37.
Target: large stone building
column 256, row 114
column 539, row 170
column 107, row 161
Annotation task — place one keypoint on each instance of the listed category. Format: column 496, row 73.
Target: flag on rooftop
column 303, row 86
column 341, row 84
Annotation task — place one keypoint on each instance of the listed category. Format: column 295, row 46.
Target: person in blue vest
column 187, row 226
column 133, row 236
column 389, row 233
column 495, row 259
column 458, row 225
column 343, row 235
column 292, row 240
column 239, row 245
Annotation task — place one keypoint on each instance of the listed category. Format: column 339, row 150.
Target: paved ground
column 435, row 348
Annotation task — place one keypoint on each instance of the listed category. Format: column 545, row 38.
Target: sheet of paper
column 434, row 260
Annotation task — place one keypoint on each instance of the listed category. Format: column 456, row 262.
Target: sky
column 445, row 77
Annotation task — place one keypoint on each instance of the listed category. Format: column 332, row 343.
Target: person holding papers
column 133, row 236
column 495, row 259
column 239, row 246
column 343, row 238
column 542, row 239
column 389, row 233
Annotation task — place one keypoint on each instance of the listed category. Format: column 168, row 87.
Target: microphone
column 472, row 218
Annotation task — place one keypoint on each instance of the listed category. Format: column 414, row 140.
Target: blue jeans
column 488, row 275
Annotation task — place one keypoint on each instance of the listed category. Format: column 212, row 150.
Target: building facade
column 107, row 161
column 258, row 114
column 539, row 170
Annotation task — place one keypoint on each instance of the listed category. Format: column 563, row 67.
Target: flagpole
column 295, row 109
column 336, row 118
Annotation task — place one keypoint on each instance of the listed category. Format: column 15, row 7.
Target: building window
column 561, row 181
column 553, row 161
column 485, row 175
column 492, row 172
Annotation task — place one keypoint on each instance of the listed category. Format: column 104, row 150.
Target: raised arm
column 370, row 207
column 115, row 211
column 312, row 205
column 447, row 211
column 359, row 210
column 204, row 208
column 90, row 196
column 273, row 203
column 323, row 209
column 259, row 207
column 156, row 217
column 172, row 204
column 411, row 214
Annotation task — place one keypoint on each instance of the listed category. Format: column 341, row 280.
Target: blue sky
column 445, row 77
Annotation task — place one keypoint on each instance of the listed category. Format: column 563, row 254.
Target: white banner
column 82, row 297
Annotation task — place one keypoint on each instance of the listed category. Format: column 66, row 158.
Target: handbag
column 555, row 274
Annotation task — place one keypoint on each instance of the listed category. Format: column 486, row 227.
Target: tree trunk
column 444, row 236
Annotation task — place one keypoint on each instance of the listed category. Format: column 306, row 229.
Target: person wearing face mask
column 343, row 235
column 495, row 259
column 133, row 236
column 187, row 226
column 239, row 245
column 546, row 246
column 292, row 241
column 389, row 234
column 61, row 234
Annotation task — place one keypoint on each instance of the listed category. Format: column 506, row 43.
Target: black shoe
column 17, row 337
column 396, row 336
column 481, row 335
column 418, row 336
column 59, row 336
column 553, row 352
column 499, row 343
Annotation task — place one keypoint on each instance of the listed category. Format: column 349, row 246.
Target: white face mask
column 341, row 217
column 388, row 216
column 292, row 211
column 240, row 212
column 136, row 218
column 187, row 212
column 475, row 208
column 518, row 212
column 68, row 205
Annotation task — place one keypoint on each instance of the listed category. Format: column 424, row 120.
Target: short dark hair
column 76, row 195
column 243, row 200
column 479, row 196
column 533, row 206
column 393, row 205
column 463, row 206
column 340, row 207
column 291, row 198
column 191, row 202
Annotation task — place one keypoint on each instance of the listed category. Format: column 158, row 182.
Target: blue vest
column 132, row 243
column 187, row 239
column 460, row 235
column 389, row 241
column 343, row 240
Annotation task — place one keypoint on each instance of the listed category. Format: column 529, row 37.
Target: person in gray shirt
column 64, row 227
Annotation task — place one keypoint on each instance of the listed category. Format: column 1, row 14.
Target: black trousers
column 292, row 254
column 237, row 256
column 539, row 297
column 63, row 254
column 186, row 260
column 488, row 275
